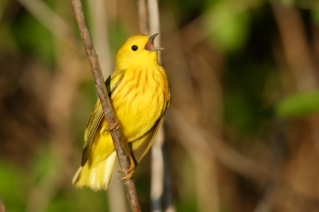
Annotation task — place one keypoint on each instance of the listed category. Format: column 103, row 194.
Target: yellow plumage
column 139, row 94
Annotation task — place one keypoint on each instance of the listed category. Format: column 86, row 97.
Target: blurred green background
column 242, row 130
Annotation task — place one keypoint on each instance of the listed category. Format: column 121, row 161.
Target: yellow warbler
column 139, row 94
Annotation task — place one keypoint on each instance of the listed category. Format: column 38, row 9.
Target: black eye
column 134, row 47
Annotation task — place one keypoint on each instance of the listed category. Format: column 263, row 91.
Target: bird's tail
column 98, row 177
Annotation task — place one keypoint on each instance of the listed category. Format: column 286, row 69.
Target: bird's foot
column 114, row 126
column 128, row 174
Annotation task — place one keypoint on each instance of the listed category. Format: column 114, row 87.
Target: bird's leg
column 115, row 125
column 130, row 171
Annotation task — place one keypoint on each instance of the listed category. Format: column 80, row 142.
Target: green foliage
column 33, row 37
column 7, row 43
column 227, row 25
column 11, row 189
column 78, row 200
column 297, row 105
column 16, row 185
column 189, row 206
column 315, row 16
column 42, row 164
column 239, row 111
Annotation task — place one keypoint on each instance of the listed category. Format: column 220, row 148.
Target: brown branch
column 105, row 102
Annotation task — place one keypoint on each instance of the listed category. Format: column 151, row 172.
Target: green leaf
column 301, row 104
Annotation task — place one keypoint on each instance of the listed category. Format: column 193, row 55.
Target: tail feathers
column 98, row 177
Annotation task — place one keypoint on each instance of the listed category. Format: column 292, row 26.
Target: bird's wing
column 97, row 115
column 143, row 144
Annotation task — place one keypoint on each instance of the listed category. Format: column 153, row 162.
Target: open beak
column 150, row 44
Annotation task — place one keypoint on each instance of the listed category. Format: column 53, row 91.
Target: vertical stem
column 158, row 162
column 157, row 172
column 99, row 20
column 154, row 21
column 142, row 16
column 105, row 102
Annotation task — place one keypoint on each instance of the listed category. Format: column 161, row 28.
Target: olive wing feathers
column 97, row 115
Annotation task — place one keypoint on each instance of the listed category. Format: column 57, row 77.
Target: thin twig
column 106, row 104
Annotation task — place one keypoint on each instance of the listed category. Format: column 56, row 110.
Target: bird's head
column 137, row 51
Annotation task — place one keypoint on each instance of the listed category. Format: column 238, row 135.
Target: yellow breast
column 140, row 100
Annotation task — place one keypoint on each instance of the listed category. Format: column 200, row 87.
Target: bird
column 139, row 93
